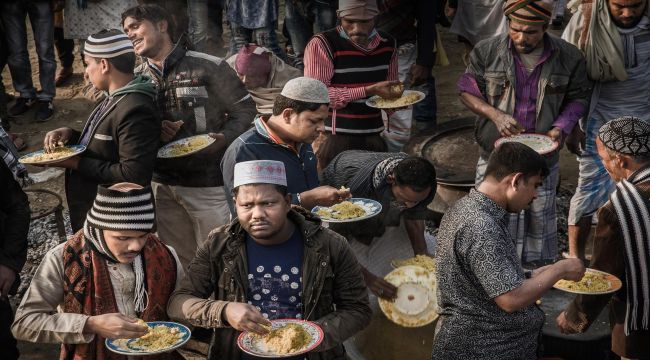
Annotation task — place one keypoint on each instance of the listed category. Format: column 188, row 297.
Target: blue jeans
column 424, row 112
column 300, row 18
column 265, row 37
column 205, row 18
column 42, row 21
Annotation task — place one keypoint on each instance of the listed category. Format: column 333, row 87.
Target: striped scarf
column 9, row 155
column 633, row 212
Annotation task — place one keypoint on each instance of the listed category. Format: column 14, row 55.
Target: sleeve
column 577, row 97
column 486, row 257
column 37, row 319
column 319, row 66
column 180, row 272
column 190, row 301
column 349, row 294
column 226, row 88
column 426, row 36
column 138, row 139
column 608, row 256
column 475, row 73
column 14, row 207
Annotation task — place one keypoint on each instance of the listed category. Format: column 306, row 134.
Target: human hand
column 323, row 196
column 246, row 317
column 7, row 278
column 564, row 325
column 507, row 125
column 56, row 138
column 419, row 74
column 219, row 142
column 571, row 269
column 386, row 89
column 450, row 11
column 556, row 134
column 380, row 287
column 115, row 326
column 70, row 163
column 575, row 142
column 169, row 129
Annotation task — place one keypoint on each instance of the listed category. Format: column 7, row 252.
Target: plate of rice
column 163, row 336
column 543, row 144
column 594, row 282
column 59, row 154
column 408, row 98
column 354, row 209
column 287, row 337
column 185, row 147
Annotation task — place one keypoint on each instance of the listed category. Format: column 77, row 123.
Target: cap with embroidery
column 260, row 172
column 108, row 44
column 306, row 89
column 627, row 135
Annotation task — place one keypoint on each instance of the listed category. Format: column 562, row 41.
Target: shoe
column 63, row 76
column 45, row 111
column 21, row 106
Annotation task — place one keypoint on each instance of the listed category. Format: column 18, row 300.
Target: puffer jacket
column 335, row 293
column 204, row 92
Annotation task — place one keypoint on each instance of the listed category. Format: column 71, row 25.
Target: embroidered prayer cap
column 253, row 60
column 132, row 209
column 528, row 12
column 260, row 172
column 108, row 44
column 306, row 89
column 358, row 9
column 627, row 135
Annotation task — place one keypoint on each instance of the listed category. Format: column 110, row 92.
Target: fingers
column 384, row 289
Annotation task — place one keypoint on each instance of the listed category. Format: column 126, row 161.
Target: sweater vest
column 355, row 67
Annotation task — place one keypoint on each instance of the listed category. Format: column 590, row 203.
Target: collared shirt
column 318, row 65
column 39, row 318
column 526, row 93
column 477, row 261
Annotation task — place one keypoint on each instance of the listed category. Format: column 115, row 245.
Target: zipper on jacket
column 321, row 264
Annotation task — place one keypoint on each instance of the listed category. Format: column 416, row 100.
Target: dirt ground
column 72, row 110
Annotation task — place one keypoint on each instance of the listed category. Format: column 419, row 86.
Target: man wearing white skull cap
column 272, row 262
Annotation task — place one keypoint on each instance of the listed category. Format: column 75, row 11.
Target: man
column 527, row 81
column 298, row 115
column 122, row 133
column 404, row 186
column 253, row 21
column 621, row 245
column 487, row 305
column 263, row 74
column 414, row 29
column 355, row 61
column 13, row 15
column 618, row 91
column 197, row 94
column 101, row 279
column 14, row 226
column 272, row 262
column 300, row 18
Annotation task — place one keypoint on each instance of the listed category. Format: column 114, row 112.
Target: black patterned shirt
column 477, row 261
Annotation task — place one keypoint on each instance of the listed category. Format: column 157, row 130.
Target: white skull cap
column 260, row 172
column 307, row 90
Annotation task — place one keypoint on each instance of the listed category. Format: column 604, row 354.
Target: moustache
column 359, row 34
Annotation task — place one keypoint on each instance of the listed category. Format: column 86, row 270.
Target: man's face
column 147, row 38
column 253, row 82
column 95, row 72
column 522, row 193
column 626, row 13
column 406, row 197
column 125, row 245
column 262, row 210
column 358, row 30
column 526, row 38
column 611, row 163
column 307, row 125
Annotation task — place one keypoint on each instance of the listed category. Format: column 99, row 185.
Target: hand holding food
column 245, row 317
column 507, row 125
column 115, row 326
column 386, row 89
column 323, row 196
column 572, row 269
column 56, row 139
column 169, row 129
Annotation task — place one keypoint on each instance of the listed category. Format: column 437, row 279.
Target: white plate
column 121, row 346
column 371, row 207
column 165, row 151
column 78, row 149
column 614, row 284
column 543, row 144
column 251, row 343
column 372, row 101
column 416, row 303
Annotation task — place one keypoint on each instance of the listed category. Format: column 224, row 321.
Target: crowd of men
column 224, row 238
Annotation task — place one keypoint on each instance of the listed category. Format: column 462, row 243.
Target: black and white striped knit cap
column 108, row 44
column 626, row 135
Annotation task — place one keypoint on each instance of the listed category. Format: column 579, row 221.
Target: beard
column 627, row 25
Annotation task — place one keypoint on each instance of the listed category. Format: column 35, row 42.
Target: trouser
column 300, row 18
column 205, row 22
column 42, row 21
column 186, row 215
column 265, row 37
column 535, row 228
column 7, row 342
column 64, row 48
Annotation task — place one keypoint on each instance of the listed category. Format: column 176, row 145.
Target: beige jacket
column 40, row 318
